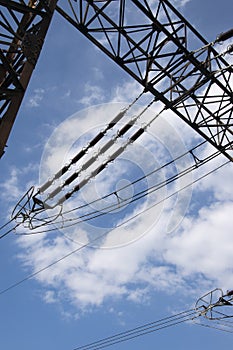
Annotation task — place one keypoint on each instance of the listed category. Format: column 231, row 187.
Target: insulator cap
column 225, row 36
column 230, row 49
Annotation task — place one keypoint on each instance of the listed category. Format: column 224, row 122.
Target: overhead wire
column 137, row 196
column 101, row 151
column 222, row 315
column 78, row 156
column 88, row 244
column 99, row 168
column 9, row 230
column 185, row 316
column 133, row 182
column 197, row 161
column 223, row 36
column 138, row 331
column 105, row 163
column 214, row 318
column 92, row 143
column 226, row 325
column 213, row 327
column 142, row 177
column 141, row 330
column 30, row 276
column 139, row 213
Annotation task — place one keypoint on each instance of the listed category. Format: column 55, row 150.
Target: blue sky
column 158, row 264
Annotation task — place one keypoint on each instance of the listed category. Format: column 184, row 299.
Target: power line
column 80, row 220
column 88, row 244
column 45, row 267
column 214, row 327
column 35, row 221
column 9, row 230
column 91, row 144
column 116, row 153
column 141, row 330
column 112, row 207
column 189, row 315
column 131, row 183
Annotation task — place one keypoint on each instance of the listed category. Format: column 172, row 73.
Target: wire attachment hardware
column 208, row 305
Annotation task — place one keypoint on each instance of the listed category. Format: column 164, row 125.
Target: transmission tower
column 22, row 32
column 163, row 52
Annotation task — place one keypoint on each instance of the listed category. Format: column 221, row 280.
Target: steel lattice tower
column 163, row 52
column 22, row 32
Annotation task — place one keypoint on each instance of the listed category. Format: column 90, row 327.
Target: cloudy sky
column 141, row 262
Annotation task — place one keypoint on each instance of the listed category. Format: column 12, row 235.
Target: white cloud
column 13, row 187
column 180, row 3
column 92, row 94
column 49, row 297
column 36, row 98
column 97, row 74
column 198, row 250
column 176, row 3
column 205, row 245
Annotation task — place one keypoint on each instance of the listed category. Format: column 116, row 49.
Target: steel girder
column 22, row 32
column 160, row 49
column 153, row 43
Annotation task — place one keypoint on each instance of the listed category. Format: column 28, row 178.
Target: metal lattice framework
column 155, row 44
column 22, row 32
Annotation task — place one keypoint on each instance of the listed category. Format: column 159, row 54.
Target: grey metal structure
column 163, row 52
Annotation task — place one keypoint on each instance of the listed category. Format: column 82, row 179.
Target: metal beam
column 161, row 50
column 23, row 30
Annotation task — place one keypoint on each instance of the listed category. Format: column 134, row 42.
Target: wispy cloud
column 18, row 181
column 162, row 259
column 36, row 98
column 92, row 94
column 178, row 249
column 204, row 245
